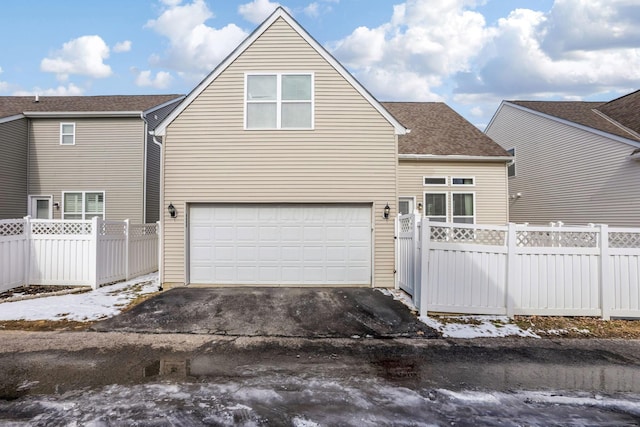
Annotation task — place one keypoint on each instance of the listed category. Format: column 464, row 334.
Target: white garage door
column 280, row 244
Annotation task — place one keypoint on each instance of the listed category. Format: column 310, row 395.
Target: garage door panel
column 280, row 244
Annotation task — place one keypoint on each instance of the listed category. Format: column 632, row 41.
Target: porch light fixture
column 172, row 211
column 56, row 205
column 387, row 211
column 419, row 206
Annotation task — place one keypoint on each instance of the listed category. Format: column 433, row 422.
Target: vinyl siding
column 490, row 185
column 567, row 174
column 14, row 139
column 152, row 190
column 349, row 157
column 107, row 156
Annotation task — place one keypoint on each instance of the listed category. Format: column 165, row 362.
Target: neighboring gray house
column 575, row 162
column 75, row 157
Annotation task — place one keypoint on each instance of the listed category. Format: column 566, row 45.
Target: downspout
column 144, row 168
column 160, row 213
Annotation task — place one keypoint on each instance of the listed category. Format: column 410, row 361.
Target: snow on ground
column 101, row 303
column 465, row 326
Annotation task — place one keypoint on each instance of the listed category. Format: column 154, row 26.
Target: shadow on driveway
column 274, row 312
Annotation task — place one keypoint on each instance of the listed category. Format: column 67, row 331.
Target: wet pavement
column 272, row 312
column 185, row 379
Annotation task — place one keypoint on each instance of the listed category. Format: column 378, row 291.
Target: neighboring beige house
column 281, row 169
column 75, row 157
column 575, row 162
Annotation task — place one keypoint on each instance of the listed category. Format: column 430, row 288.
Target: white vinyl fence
column 526, row 270
column 64, row 252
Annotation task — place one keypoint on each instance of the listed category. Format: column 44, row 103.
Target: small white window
column 67, row 133
column 463, row 207
column 435, row 206
column 279, row 101
column 435, row 180
column 511, row 166
column 406, row 205
column 469, row 181
column 83, row 204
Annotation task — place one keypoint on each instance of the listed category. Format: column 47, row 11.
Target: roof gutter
column 454, row 158
column 65, row 114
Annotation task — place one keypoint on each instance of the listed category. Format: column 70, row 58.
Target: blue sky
column 470, row 54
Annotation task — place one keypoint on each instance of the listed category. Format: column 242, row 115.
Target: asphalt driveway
column 272, row 312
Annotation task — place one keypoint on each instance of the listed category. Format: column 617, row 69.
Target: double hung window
column 67, row 133
column 83, row 205
column 279, row 101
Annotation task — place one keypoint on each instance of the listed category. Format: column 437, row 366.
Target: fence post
column 416, row 255
column 607, row 295
column 94, row 253
column 396, row 234
column 160, row 272
column 26, row 275
column 126, row 249
column 424, row 270
column 510, row 283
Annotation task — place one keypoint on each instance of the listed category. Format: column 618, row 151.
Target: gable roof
column 279, row 13
column 52, row 105
column 437, row 130
column 624, row 110
column 590, row 114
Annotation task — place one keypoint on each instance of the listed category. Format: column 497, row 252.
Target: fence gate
column 407, row 264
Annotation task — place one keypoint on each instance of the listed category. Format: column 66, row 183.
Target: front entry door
column 40, row 207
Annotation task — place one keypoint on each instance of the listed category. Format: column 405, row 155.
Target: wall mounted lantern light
column 172, row 211
column 419, row 206
column 387, row 211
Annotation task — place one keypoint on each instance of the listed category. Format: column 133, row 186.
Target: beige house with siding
column 75, row 157
column 279, row 168
column 575, row 162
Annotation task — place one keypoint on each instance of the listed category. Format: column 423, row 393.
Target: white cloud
column 68, row 90
column 312, row 10
column 194, row 48
column 84, row 55
column 257, row 10
column 162, row 80
column 423, row 41
column 124, row 46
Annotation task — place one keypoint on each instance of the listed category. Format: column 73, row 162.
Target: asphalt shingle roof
column 436, row 129
column 596, row 115
column 13, row 105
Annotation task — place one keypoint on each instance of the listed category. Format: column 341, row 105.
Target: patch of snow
column 476, row 327
column 98, row 304
column 399, row 295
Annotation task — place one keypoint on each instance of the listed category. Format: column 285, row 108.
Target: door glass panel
column 42, row 209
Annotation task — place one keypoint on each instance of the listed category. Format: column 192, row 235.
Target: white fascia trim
column 454, row 158
column 12, row 118
column 278, row 13
column 67, row 114
column 576, row 125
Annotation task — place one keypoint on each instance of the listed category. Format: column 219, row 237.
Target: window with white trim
column 435, row 206
column 82, row 204
column 511, row 166
column 470, row 181
column 434, row 180
column 279, row 101
column 463, row 208
column 67, row 133
column 406, row 205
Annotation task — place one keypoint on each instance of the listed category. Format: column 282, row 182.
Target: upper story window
column 511, row 166
column 67, row 133
column 279, row 101
column 434, row 180
column 462, row 181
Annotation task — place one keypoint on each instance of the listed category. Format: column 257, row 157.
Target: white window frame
column 62, row 134
column 279, row 101
column 86, row 215
column 32, row 197
column 473, row 193
column 512, row 163
column 446, row 204
column 424, row 181
column 472, row 178
column 407, row 198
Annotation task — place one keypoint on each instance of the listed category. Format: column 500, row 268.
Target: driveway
column 272, row 312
